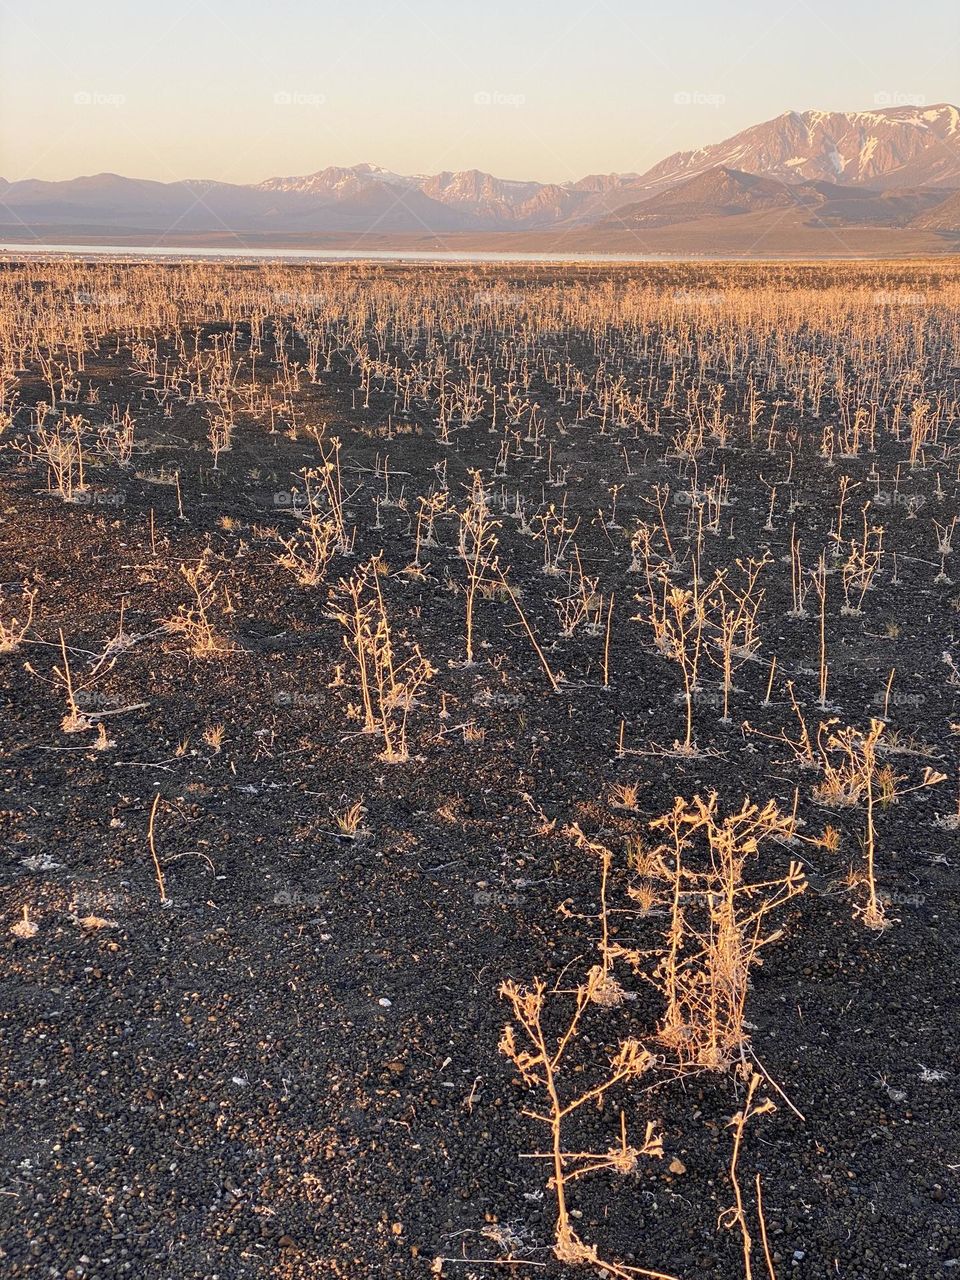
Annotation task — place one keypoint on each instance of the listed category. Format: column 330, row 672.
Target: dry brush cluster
column 682, row 493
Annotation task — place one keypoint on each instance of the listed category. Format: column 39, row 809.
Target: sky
column 243, row 90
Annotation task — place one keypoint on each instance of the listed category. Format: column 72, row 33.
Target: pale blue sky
column 241, row 90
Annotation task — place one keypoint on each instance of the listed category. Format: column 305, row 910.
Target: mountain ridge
column 888, row 167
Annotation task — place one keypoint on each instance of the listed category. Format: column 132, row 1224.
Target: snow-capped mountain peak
column 911, row 149
column 889, row 147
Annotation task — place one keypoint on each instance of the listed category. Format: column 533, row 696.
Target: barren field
column 479, row 770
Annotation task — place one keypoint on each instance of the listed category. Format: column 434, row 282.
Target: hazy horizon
column 240, row 94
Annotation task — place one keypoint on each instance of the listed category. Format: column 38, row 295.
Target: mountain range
column 893, row 173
